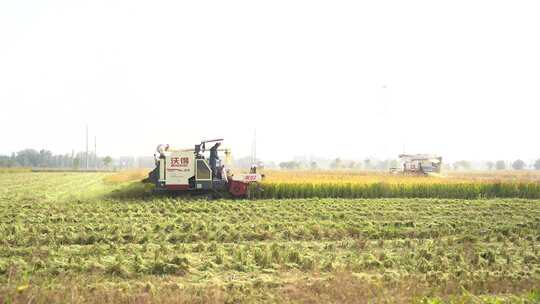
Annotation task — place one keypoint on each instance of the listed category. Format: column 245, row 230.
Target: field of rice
column 368, row 177
column 333, row 184
column 102, row 238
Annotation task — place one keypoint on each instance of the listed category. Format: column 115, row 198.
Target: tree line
column 46, row 159
column 382, row 165
column 518, row 164
column 338, row 163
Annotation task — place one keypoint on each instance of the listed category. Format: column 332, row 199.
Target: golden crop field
column 369, row 177
column 363, row 177
column 373, row 184
column 350, row 184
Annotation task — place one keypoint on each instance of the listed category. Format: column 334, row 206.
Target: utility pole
column 95, row 152
column 86, row 146
column 254, row 148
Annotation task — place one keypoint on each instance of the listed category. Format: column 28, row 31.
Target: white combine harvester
column 199, row 170
column 419, row 164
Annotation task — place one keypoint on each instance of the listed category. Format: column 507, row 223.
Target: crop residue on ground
column 65, row 237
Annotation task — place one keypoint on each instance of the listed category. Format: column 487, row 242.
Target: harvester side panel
column 179, row 168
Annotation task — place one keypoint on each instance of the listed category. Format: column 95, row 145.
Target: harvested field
column 71, row 237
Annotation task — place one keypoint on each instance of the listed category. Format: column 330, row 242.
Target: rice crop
column 369, row 177
column 386, row 190
column 334, row 184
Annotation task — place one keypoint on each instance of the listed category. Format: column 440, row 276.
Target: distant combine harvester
column 418, row 165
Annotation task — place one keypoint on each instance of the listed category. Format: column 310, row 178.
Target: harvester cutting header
column 199, row 170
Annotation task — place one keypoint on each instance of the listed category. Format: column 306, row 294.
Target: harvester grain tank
column 199, row 169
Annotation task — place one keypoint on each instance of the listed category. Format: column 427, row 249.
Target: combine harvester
column 199, row 170
column 419, row 165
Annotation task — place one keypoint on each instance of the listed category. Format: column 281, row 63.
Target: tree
column 45, row 158
column 336, row 164
column 490, row 165
column 290, row 165
column 518, row 165
column 537, row 164
column 313, row 165
column 107, row 160
column 367, row 164
column 76, row 163
column 382, row 165
column 500, row 165
column 4, row 161
column 28, row 158
column 462, row 164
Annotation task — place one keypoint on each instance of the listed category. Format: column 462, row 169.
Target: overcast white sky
column 326, row 78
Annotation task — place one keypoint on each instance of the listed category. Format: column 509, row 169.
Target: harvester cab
column 199, row 170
